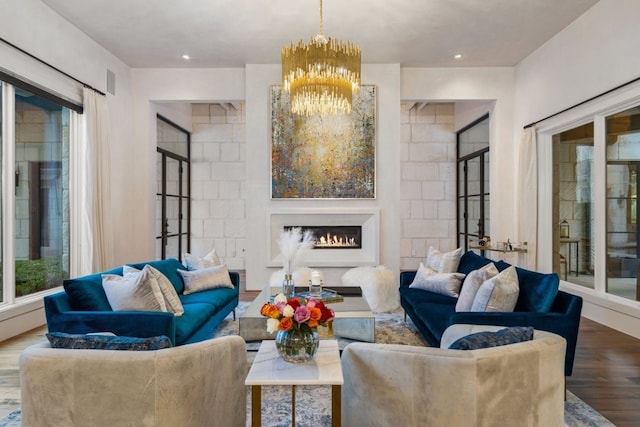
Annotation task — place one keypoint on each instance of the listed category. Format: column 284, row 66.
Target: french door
column 173, row 224
column 473, row 182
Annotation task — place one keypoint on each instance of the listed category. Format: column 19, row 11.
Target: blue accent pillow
column 504, row 336
column 472, row 261
column 106, row 342
column 86, row 293
column 537, row 291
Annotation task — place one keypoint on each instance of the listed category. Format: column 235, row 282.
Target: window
column 36, row 153
column 573, row 205
column 473, row 182
column 594, row 209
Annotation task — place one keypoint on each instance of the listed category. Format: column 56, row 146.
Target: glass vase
column 297, row 345
column 288, row 287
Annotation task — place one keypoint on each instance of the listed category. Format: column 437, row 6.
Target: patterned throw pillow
column 440, row 283
column 170, row 296
column 207, row 278
column 446, row 262
column 472, row 283
column 504, row 336
column 134, row 292
column 500, row 293
column 194, row 262
column 106, row 342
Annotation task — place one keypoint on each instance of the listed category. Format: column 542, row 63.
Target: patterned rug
column 313, row 403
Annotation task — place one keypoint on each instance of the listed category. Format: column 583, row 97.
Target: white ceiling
column 231, row 33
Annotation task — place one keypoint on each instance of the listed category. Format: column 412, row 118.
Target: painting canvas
column 329, row 156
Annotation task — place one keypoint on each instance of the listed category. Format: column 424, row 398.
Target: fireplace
column 345, row 237
column 333, row 236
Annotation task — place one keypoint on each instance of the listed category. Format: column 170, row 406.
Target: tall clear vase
column 288, row 287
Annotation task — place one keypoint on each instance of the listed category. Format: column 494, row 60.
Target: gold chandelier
column 322, row 76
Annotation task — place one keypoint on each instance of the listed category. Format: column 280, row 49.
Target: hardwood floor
column 606, row 373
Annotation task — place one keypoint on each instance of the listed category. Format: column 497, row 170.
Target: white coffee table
column 268, row 368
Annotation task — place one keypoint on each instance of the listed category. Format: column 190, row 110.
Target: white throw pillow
column 472, row 283
column 134, row 292
column 446, row 262
column 440, row 283
column 170, row 296
column 206, row 278
column 500, row 293
column 194, row 262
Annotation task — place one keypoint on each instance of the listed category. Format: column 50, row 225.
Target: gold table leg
column 256, row 405
column 293, row 406
column 336, row 405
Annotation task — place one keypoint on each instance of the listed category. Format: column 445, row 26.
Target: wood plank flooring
column 606, row 373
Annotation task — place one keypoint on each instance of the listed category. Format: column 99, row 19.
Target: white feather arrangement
column 294, row 244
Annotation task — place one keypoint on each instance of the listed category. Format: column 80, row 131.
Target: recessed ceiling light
column 185, row 56
column 458, row 56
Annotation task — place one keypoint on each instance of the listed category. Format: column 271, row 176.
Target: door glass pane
column 573, row 251
column 623, row 160
column 474, row 139
column 473, row 176
column 41, row 193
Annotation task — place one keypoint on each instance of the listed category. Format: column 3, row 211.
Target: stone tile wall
column 428, row 175
column 218, row 182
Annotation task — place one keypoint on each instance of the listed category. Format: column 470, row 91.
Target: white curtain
column 94, row 186
column 527, row 215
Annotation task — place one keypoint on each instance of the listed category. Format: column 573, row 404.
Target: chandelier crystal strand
column 322, row 76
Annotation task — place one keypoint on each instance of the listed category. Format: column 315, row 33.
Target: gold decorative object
column 322, row 76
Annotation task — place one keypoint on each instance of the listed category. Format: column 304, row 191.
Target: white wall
column 592, row 55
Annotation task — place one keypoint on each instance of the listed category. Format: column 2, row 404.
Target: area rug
column 313, row 403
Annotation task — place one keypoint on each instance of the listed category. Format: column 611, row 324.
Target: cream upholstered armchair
column 517, row 384
column 199, row 384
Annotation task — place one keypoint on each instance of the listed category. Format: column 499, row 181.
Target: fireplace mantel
column 367, row 218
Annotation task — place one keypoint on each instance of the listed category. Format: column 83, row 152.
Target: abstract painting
column 323, row 157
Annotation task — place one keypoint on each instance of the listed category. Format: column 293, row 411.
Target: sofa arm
column 406, row 278
column 140, row 324
column 235, row 278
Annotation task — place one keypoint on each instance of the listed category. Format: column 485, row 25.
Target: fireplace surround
column 343, row 253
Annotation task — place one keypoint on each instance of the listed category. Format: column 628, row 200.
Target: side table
column 269, row 369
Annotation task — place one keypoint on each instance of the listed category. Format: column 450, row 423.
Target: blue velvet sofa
column 540, row 304
column 84, row 308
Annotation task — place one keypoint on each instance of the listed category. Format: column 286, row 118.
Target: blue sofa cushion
column 169, row 267
column 537, row 291
column 86, row 293
column 218, row 297
column 436, row 317
column 106, row 342
column 195, row 315
column 487, row 339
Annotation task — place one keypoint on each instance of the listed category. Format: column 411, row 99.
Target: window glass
column 573, row 251
column 623, row 161
column 41, row 193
